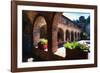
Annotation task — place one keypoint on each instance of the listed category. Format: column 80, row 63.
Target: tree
column 83, row 23
column 88, row 20
column 82, row 19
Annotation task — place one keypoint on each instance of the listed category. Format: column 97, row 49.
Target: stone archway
column 79, row 36
column 72, row 36
column 38, row 23
column 67, row 35
column 60, row 35
column 43, row 31
column 75, row 36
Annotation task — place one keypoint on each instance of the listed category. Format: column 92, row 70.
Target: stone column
column 70, row 35
column 54, row 32
column 64, row 36
column 73, row 36
column 77, row 37
column 36, row 36
column 54, row 40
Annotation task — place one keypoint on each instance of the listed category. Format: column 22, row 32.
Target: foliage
column 83, row 23
column 75, row 45
column 84, row 35
column 72, row 45
column 43, row 41
column 68, row 45
column 84, row 47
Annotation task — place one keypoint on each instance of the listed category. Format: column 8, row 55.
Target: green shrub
column 43, row 41
column 76, row 45
column 72, row 45
column 84, row 47
column 68, row 45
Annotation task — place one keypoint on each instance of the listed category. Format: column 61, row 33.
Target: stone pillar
column 36, row 36
column 54, row 32
column 73, row 36
column 54, row 40
column 69, row 35
column 77, row 36
column 64, row 36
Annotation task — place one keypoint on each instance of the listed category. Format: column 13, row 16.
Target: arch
column 72, row 36
column 38, row 23
column 43, row 31
column 67, row 35
column 60, row 35
column 78, row 36
column 75, row 36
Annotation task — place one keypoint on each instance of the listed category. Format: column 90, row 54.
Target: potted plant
column 42, row 44
column 75, row 50
column 84, row 48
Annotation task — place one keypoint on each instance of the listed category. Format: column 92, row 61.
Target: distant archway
column 75, row 36
column 43, row 32
column 78, row 36
column 67, row 35
column 72, row 36
column 60, row 35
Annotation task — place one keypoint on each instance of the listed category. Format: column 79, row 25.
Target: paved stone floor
column 61, row 52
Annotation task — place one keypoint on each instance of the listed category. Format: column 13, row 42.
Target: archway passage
column 43, row 32
column 67, row 35
column 60, row 37
column 78, row 36
column 75, row 36
column 39, row 29
column 72, row 36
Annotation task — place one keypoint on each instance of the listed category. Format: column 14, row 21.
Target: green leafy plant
column 68, row 45
column 43, row 44
column 75, row 45
column 43, row 41
column 72, row 45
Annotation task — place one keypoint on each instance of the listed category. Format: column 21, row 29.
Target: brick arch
column 43, row 31
column 72, row 35
column 67, row 35
column 38, row 22
column 60, row 34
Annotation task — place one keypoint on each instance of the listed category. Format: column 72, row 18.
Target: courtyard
column 55, row 28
